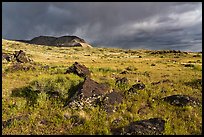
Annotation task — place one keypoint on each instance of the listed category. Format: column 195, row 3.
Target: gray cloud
column 112, row 24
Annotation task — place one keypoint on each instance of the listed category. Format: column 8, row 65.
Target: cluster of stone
column 91, row 93
column 18, row 56
column 166, row 51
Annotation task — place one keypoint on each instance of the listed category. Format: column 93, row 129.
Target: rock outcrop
column 91, row 93
column 110, row 99
column 19, row 61
column 136, row 87
column 79, row 69
column 181, row 100
column 88, row 94
column 152, row 126
column 18, row 56
column 21, row 57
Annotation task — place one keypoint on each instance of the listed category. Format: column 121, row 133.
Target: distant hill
column 64, row 41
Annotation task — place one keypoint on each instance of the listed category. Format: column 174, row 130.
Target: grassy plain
column 44, row 115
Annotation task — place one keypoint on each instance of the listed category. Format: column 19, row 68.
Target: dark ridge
column 70, row 38
column 63, row 41
column 43, row 40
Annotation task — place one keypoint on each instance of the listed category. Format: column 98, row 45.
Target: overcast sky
column 130, row 25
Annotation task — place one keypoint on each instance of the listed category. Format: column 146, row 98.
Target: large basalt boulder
column 88, row 94
column 91, row 88
column 18, row 56
column 79, row 69
column 21, row 57
column 181, row 100
column 110, row 100
column 152, row 126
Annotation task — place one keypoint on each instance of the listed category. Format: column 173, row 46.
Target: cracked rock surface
column 152, row 126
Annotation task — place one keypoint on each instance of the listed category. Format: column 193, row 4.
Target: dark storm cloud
column 127, row 25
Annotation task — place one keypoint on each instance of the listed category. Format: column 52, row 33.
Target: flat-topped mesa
column 43, row 40
column 64, row 41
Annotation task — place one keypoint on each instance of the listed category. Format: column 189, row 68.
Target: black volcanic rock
column 91, row 88
column 18, row 56
column 136, row 87
column 110, row 100
column 79, row 69
column 152, row 126
column 88, row 93
column 21, row 57
column 181, row 100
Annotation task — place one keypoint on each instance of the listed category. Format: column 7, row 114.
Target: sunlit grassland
column 49, row 116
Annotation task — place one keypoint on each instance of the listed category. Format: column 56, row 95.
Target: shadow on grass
column 32, row 95
column 28, row 93
column 72, row 93
column 195, row 83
